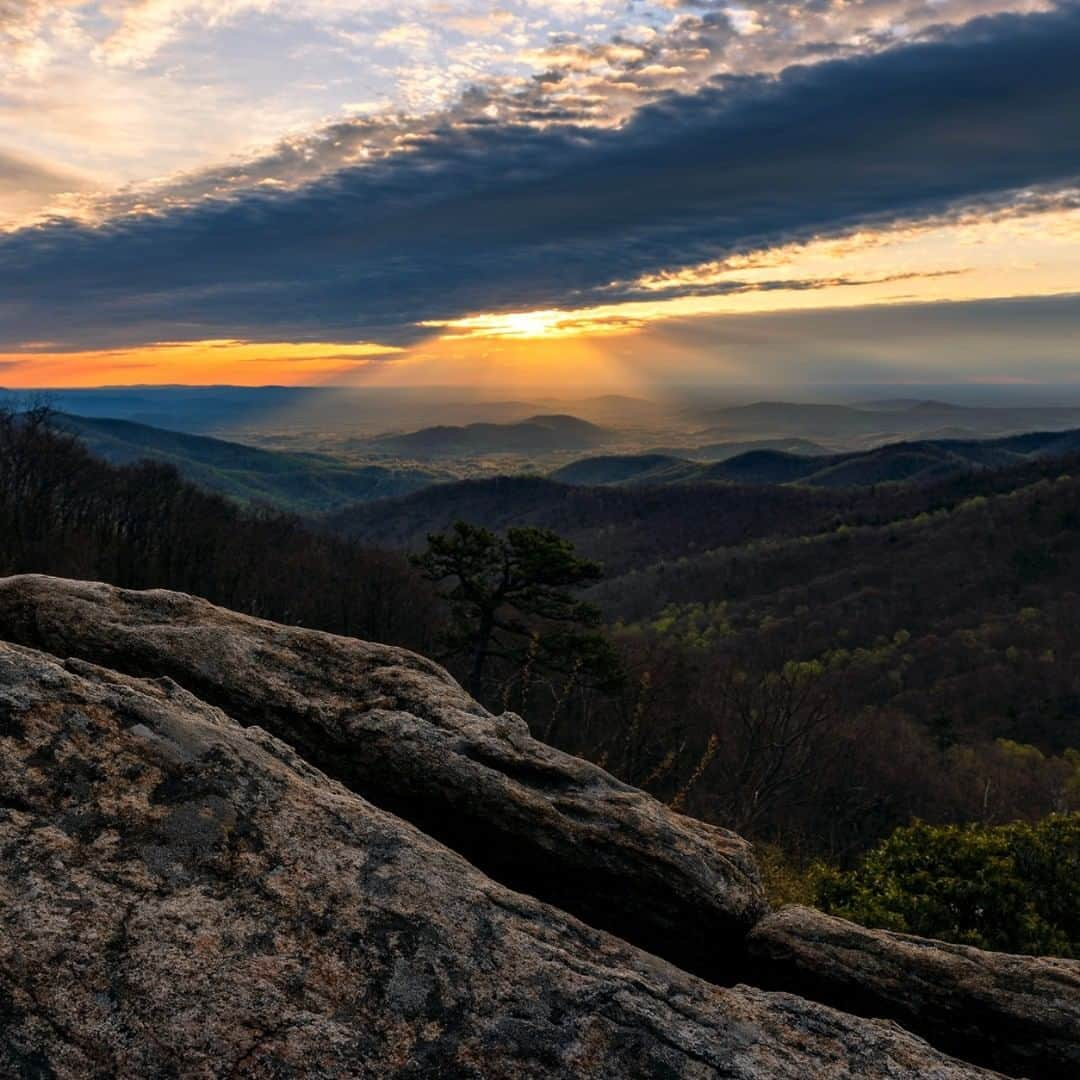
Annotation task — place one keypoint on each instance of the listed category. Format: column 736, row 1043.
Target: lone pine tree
column 511, row 598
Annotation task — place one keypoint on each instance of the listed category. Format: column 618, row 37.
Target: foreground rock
column 180, row 896
column 397, row 729
column 1018, row 1013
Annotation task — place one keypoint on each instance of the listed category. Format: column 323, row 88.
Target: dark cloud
column 480, row 217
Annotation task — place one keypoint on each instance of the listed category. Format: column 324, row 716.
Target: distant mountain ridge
column 534, row 434
column 628, row 525
column 920, row 461
column 881, row 421
column 303, row 482
column 365, row 411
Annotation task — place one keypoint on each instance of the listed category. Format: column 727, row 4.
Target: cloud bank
column 482, row 213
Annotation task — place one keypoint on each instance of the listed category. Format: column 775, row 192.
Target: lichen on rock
column 397, row 729
column 183, row 896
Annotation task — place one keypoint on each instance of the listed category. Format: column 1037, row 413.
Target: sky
column 539, row 193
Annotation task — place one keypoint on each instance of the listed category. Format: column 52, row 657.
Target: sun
column 528, row 324
column 535, row 325
column 515, row 324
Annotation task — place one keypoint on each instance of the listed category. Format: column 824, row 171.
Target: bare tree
column 768, row 739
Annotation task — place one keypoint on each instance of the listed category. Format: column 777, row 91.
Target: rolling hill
column 534, row 435
column 919, row 462
column 877, row 422
column 721, row 451
column 302, row 482
column 667, row 466
column 627, row 469
column 630, row 525
column 623, row 526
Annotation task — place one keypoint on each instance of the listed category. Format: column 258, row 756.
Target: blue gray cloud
column 483, row 215
column 1032, row 338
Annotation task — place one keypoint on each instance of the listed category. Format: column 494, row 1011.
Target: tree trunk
column 480, row 654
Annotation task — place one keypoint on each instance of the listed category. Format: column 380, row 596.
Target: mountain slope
column 535, row 434
column 962, row 617
column 919, row 462
column 873, row 422
column 303, row 482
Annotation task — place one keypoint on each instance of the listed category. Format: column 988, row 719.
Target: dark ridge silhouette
column 623, row 526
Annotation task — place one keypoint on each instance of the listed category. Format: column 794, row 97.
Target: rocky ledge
column 1017, row 1013
column 182, row 896
column 397, row 729
column 232, row 848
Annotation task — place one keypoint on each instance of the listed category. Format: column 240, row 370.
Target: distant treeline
column 630, row 527
column 65, row 512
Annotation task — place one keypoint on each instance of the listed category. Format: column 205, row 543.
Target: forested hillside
column 142, row 526
column 946, row 644
column 814, row 668
column 303, row 482
column 922, row 462
column 624, row 527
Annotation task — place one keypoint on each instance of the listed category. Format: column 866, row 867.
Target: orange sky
column 204, row 363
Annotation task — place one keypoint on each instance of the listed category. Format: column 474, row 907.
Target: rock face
column 233, row 848
column 395, row 728
column 1020, row 1014
column 184, row 896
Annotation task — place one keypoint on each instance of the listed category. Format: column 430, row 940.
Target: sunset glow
column 240, row 363
column 445, row 183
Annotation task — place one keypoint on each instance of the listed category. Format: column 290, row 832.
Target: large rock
column 181, row 896
column 1020, row 1014
column 397, row 729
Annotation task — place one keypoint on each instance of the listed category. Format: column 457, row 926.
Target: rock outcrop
column 396, row 728
column 233, row 848
column 1020, row 1014
column 184, row 896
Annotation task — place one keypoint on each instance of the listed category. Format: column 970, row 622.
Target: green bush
column 1014, row 888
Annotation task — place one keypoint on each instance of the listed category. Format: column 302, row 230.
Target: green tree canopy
column 1007, row 887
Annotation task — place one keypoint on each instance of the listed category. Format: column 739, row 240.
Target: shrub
column 1009, row 887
